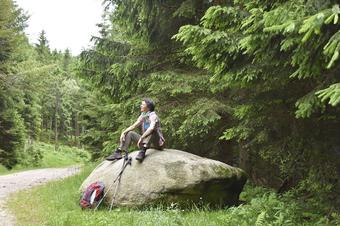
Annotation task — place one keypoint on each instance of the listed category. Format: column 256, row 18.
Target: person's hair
column 149, row 103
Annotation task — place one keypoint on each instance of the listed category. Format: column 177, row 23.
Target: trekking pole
column 107, row 191
column 128, row 162
column 118, row 176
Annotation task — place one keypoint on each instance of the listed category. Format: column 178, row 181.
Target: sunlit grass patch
column 57, row 203
column 3, row 169
column 64, row 156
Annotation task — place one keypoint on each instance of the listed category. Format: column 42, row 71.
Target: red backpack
column 92, row 195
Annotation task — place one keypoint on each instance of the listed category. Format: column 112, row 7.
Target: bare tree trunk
column 42, row 123
column 57, row 100
column 77, row 133
column 50, row 129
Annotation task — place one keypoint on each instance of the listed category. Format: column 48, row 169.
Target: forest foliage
column 251, row 83
column 40, row 96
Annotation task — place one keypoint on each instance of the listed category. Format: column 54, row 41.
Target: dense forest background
column 255, row 84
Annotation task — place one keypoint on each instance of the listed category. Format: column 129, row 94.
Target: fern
column 260, row 220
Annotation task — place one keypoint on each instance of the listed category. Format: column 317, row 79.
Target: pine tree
column 271, row 59
column 42, row 47
column 12, row 130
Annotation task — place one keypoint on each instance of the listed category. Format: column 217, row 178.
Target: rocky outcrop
column 169, row 176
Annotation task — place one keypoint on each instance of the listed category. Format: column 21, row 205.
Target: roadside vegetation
column 57, row 203
column 43, row 155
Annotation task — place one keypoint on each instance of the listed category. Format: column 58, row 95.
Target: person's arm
column 151, row 128
column 148, row 131
column 133, row 126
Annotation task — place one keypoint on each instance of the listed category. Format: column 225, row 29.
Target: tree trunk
column 57, row 100
column 76, row 134
column 50, row 129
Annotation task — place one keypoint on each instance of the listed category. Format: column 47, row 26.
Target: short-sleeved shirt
column 148, row 119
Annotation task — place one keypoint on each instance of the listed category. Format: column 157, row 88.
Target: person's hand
column 122, row 137
column 139, row 142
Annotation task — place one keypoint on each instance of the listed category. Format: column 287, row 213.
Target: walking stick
column 127, row 161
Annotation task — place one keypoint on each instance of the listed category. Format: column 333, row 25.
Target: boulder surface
column 169, row 176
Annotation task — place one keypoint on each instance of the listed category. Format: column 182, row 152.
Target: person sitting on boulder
column 151, row 133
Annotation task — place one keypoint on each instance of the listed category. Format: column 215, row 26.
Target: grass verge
column 43, row 155
column 56, row 203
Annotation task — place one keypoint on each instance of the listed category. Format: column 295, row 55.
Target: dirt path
column 24, row 180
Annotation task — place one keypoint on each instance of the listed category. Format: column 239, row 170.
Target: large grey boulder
column 169, row 176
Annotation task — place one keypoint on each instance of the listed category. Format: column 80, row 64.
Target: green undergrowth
column 3, row 170
column 56, row 203
column 43, row 155
column 65, row 156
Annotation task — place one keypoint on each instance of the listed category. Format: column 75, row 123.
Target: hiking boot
column 141, row 155
column 116, row 155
